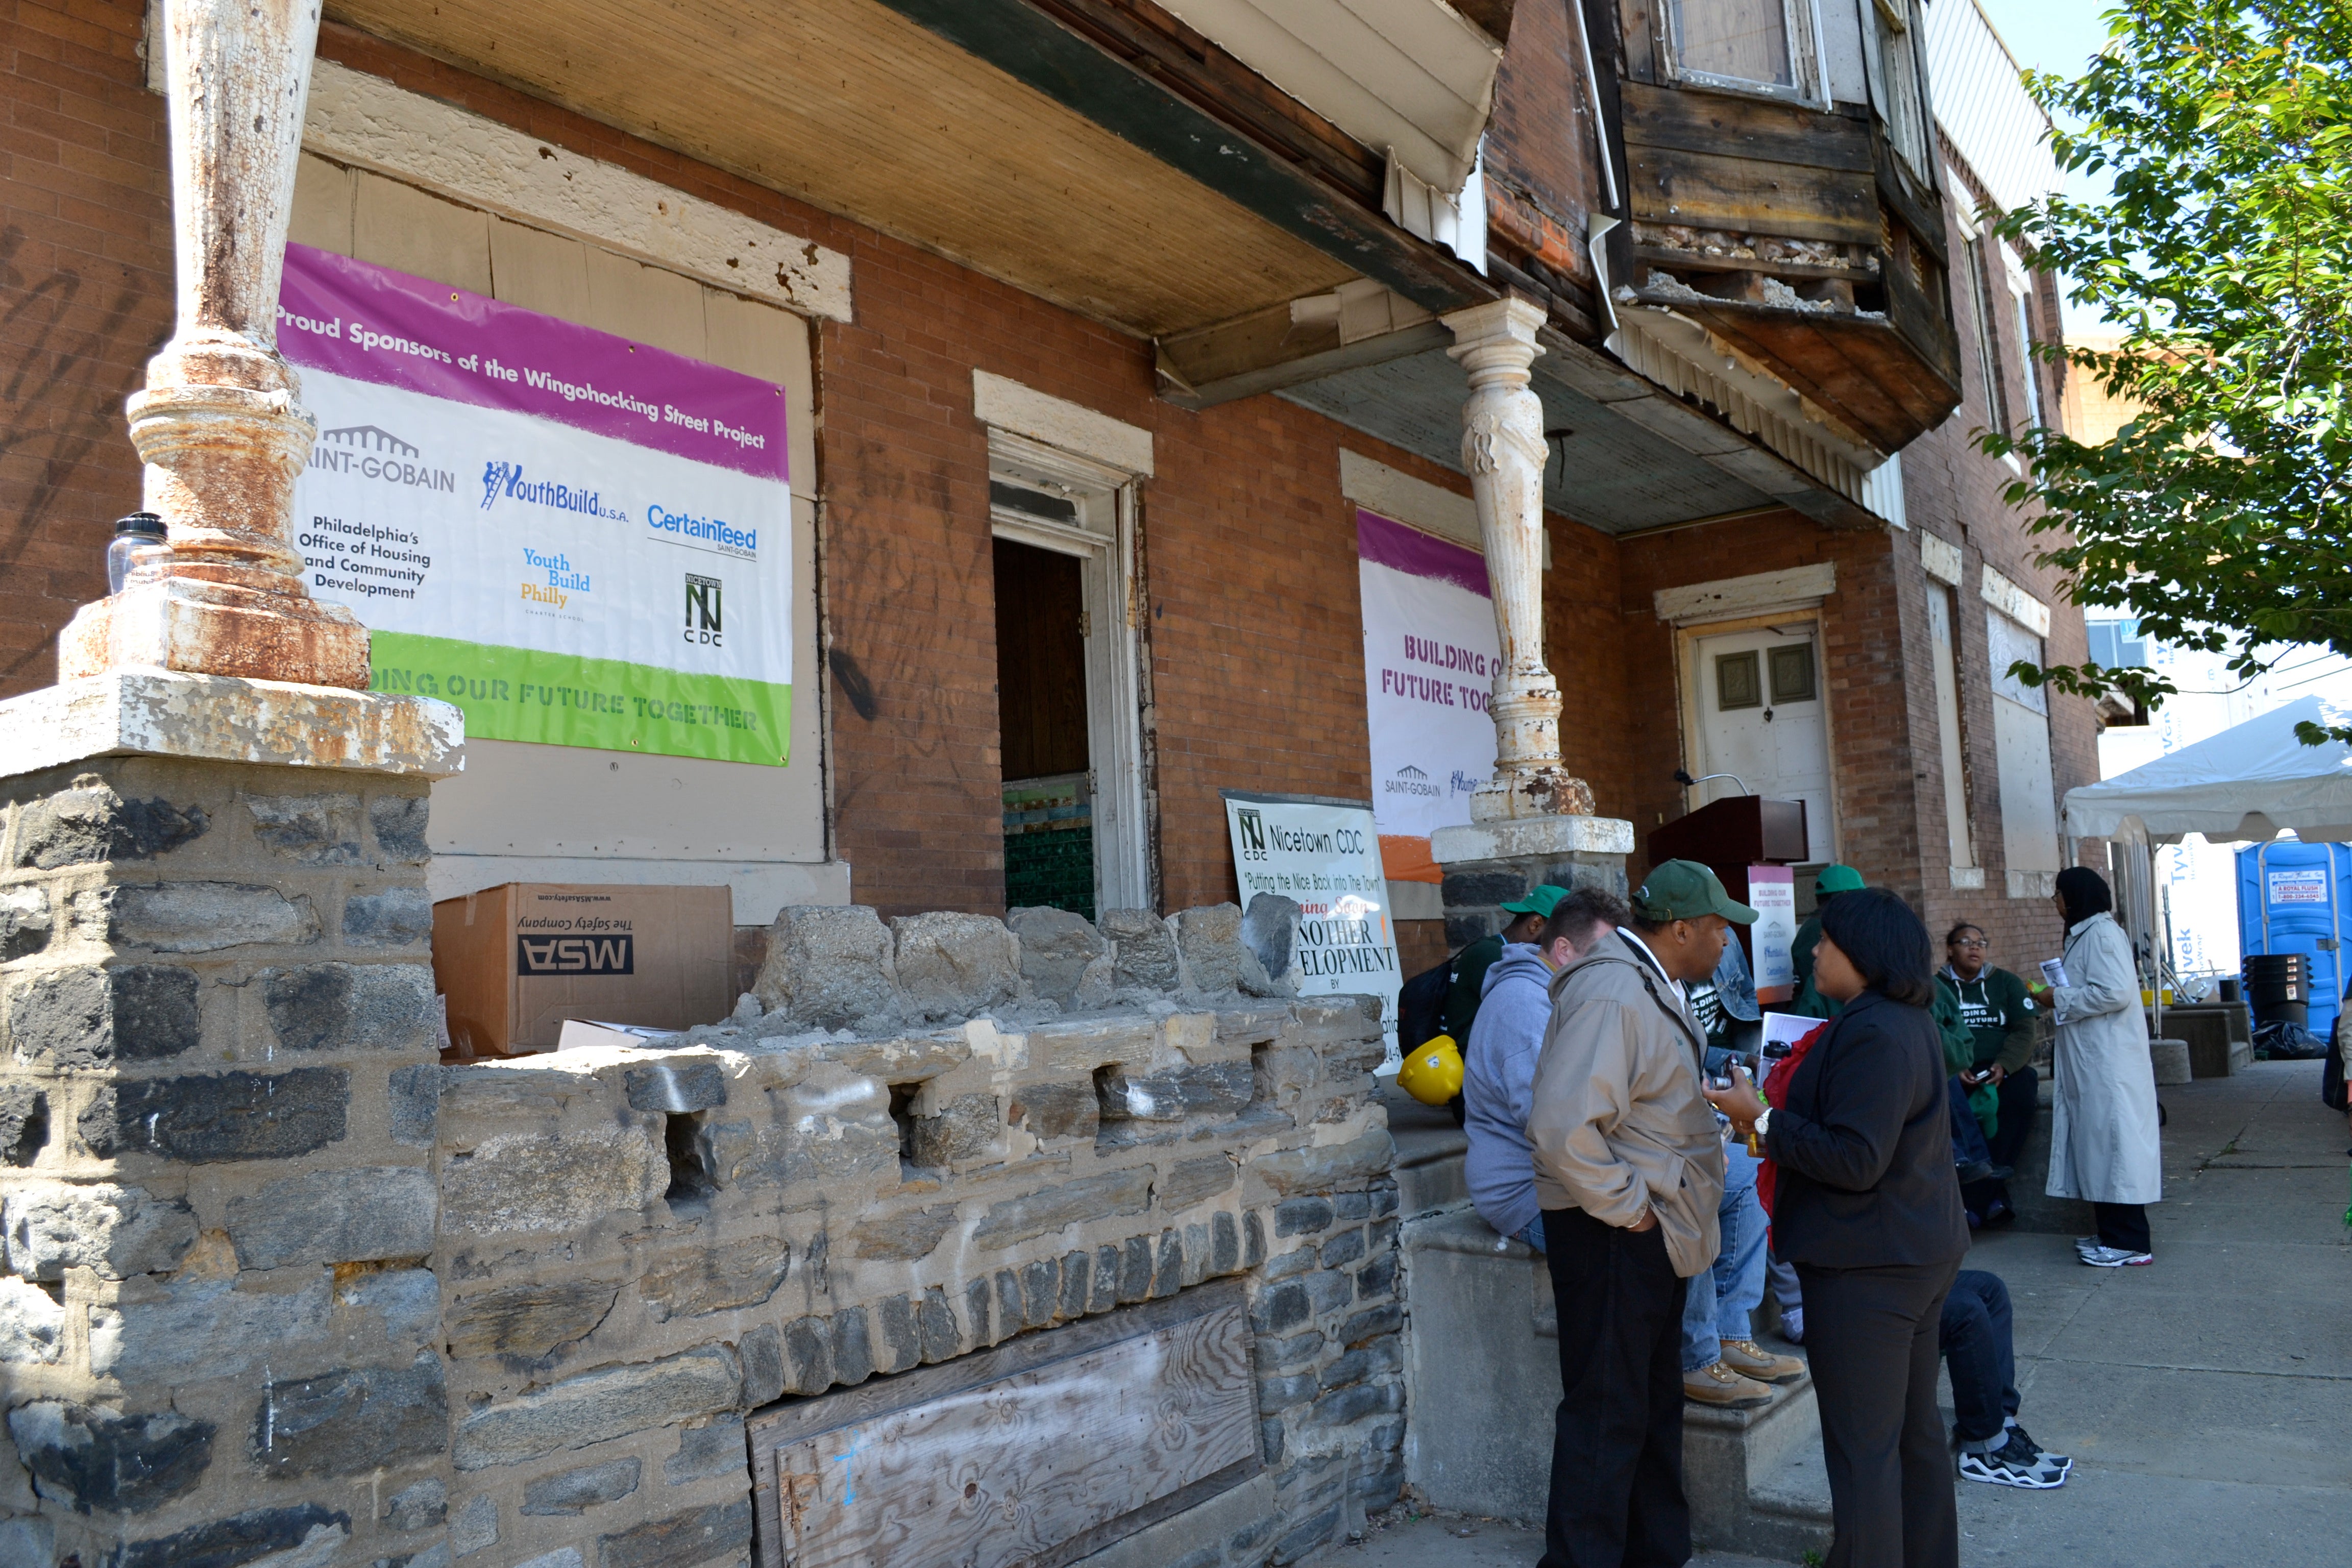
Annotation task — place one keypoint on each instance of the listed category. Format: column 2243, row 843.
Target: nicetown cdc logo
column 703, row 610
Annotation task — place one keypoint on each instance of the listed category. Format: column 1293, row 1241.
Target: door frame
column 1688, row 696
column 1115, row 736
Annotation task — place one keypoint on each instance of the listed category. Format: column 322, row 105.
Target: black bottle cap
column 145, row 523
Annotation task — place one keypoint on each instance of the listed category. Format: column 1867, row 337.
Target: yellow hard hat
column 1431, row 1072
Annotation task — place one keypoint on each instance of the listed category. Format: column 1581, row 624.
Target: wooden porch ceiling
column 981, row 129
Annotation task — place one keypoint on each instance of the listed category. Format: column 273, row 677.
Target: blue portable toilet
column 2298, row 897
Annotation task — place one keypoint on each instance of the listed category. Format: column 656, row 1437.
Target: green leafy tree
column 2220, row 515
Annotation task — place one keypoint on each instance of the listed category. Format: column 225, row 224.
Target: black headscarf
column 2084, row 893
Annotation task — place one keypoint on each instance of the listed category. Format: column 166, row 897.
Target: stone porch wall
column 282, row 1289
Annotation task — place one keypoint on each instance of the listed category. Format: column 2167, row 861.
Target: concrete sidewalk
column 2207, row 1399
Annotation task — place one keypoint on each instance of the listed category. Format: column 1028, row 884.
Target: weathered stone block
column 715, row 1449
column 1283, row 1265
column 903, row 1234
column 349, row 1007
column 838, row 1127
column 1326, row 1167
column 395, row 917
column 418, row 1506
column 52, row 1226
column 935, row 1325
column 1377, row 1277
column 23, row 1122
column 853, row 1347
column 762, row 1353
column 1299, row 1216
column 534, row 1182
column 306, row 1535
column 219, row 1116
column 1270, row 932
column 676, row 1086
column 977, row 1300
column 26, row 922
column 808, row 1355
column 1342, row 1249
column 1225, row 1244
column 1343, row 1405
column 1138, row 1097
column 562, row 1557
column 31, row 1323
column 1289, row 1354
column 1252, row 1240
column 353, row 1216
column 198, row 917
column 827, row 967
column 967, row 1130
column 1215, row 959
column 1281, row 1393
column 902, row 1340
column 577, row 1491
column 1057, row 947
column 408, row 1300
column 955, row 965
column 1103, row 1295
column 313, row 829
column 1280, row 1308
column 597, row 1406
column 1215, row 1088
column 183, row 1331
column 476, row 1526
column 415, row 1104
column 106, row 1462
column 1367, row 1326
column 1011, row 1311
column 1066, row 1108
column 1351, row 1205
column 1135, row 1263
column 1328, row 1292
column 1078, row 1268
column 352, row 1422
column 1378, row 1356
column 1041, row 1291
column 89, row 823
column 689, row 1281
column 1146, row 950
column 1072, row 1203
column 1168, row 1277
column 400, row 822
column 529, row 1321
column 681, row 1541
column 900, row 1059
column 88, row 1016
column 1189, row 1182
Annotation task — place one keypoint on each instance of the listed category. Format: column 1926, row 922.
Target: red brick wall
column 85, row 298
column 1542, row 171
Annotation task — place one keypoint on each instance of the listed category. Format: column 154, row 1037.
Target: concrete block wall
column 218, row 1319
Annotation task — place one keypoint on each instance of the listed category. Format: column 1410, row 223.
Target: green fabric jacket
column 1470, row 966
column 1801, row 954
column 1999, row 1012
column 1961, row 1053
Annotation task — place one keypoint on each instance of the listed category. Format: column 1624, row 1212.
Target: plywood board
column 1018, row 1456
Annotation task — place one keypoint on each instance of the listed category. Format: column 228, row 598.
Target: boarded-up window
column 1745, row 41
column 1951, row 738
column 2021, row 734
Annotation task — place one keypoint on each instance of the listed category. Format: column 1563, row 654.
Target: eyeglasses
column 1970, row 941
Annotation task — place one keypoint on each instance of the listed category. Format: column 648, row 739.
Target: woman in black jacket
column 1869, row 1211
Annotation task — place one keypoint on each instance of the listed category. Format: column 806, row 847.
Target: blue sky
column 2053, row 36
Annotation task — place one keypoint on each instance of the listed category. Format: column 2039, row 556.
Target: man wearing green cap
column 1470, row 965
column 1629, row 1164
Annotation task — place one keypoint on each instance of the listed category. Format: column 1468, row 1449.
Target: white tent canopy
column 2249, row 782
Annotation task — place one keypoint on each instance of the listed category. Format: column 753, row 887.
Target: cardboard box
column 516, row 962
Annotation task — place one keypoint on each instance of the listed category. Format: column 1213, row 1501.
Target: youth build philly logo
column 369, row 560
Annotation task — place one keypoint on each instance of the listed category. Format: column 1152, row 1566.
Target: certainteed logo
column 615, row 955
column 703, row 610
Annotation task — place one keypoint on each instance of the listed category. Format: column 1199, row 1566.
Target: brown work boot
column 1725, row 1389
column 1749, row 1359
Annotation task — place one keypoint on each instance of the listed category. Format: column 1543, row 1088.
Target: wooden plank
column 1922, row 214
column 400, row 227
column 983, row 1468
column 1699, row 121
column 322, row 205
column 1700, row 261
column 1708, row 191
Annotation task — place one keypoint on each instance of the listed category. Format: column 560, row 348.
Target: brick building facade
column 1246, row 570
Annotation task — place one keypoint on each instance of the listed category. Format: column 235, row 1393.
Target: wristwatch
column 1763, row 1123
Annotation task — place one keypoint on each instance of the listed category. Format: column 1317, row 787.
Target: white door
column 1760, row 717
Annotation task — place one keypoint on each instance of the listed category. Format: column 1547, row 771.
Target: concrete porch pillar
column 220, row 424
column 1533, row 821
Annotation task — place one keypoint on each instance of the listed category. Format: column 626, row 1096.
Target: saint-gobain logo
column 371, row 452
column 702, row 610
column 576, row 955
column 1253, row 832
column 1411, row 780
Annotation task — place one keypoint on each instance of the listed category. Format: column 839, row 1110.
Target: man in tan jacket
column 1629, row 1169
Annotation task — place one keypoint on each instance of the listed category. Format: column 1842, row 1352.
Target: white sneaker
column 2087, row 1243
column 2116, row 1257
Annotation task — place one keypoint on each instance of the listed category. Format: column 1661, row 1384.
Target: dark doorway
column 1041, row 704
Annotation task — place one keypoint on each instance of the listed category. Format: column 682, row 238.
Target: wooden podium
column 1727, row 836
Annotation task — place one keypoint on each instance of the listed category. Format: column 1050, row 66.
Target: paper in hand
column 2054, row 970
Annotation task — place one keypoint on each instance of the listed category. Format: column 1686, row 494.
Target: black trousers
column 2123, row 1225
column 1617, row 1445
column 2020, row 1104
column 1872, row 1335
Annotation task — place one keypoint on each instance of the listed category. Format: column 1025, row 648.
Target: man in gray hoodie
column 1498, row 1060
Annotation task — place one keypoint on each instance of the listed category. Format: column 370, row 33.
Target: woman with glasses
column 1999, row 1010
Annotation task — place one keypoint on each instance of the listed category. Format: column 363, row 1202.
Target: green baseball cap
column 1837, row 879
column 1542, row 901
column 1684, row 890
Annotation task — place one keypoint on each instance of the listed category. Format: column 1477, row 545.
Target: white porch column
column 1503, row 450
column 220, row 425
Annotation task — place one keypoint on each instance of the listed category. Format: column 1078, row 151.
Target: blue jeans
column 1968, row 1134
column 1720, row 1299
column 1532, row 1232
column 1974, row 1335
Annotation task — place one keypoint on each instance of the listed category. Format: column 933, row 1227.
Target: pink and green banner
column 579, row 540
